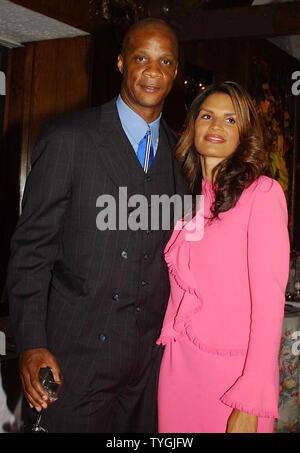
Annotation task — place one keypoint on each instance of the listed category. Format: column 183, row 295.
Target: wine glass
column 297, row 292
column 52, row 388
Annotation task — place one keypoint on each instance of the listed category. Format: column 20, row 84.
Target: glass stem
column 38, row 419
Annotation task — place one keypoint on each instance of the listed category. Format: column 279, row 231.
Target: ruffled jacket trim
column 181, row 283
column 210, row 349
column 182, row 322
column 187, row 328
column 249, row 409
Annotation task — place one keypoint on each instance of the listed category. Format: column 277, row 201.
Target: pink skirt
column 191, row 384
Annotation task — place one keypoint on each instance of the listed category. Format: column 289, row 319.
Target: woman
column 223, row 323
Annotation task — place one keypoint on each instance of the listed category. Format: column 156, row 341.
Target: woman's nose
column 217, row 123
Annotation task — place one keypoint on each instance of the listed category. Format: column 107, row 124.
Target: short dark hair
column 146, row 23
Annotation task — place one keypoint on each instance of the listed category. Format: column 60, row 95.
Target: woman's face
column 216, row 130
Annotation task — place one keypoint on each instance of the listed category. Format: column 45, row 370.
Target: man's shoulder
column 78, row 121
column 173, row 136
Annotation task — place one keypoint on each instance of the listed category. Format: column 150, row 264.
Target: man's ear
column 120, row 63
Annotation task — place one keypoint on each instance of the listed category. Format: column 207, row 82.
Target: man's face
column 149, row 68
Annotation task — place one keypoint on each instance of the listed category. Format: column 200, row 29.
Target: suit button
column 148, row 178
column 138, row 309
column 124, row 255
column 144, row 283
column 146, row 256
column 102, row 337
column 115, row 296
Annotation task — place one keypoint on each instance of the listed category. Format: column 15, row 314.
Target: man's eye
column 166, row 61
column 140, row 58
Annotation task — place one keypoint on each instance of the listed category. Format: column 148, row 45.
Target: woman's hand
column 241, row 422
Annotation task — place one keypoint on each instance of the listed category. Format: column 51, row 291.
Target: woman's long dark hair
column 240, row 169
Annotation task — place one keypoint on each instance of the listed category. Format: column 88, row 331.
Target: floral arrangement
column 289, row 405
column 271, row 99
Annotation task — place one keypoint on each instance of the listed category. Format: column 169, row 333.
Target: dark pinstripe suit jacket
column 64, row 275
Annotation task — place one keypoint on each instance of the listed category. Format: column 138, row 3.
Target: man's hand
column 30, row 363
column 241, row 422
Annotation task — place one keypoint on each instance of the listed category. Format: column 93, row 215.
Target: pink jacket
column 228, row 290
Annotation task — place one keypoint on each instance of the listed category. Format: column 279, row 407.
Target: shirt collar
column 134, row 124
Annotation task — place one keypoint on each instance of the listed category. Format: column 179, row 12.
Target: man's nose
column 153, row 70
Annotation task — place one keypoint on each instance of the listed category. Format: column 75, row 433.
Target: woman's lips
column 214, row 138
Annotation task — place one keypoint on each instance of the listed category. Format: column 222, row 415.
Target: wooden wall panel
column 60, row 80
column 18, row 83
column 45, row 80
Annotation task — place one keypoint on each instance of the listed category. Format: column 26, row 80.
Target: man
column 89, row 303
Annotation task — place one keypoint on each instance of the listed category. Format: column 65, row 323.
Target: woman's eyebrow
column 210, row 111
column 207, row 110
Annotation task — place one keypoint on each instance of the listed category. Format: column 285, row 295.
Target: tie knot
column 148, row 132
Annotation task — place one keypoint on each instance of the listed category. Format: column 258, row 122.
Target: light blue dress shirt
column 135, row 127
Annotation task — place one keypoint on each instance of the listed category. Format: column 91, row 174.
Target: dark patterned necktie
column 145, row 152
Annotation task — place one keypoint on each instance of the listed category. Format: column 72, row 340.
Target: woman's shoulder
column 266, row 197
column 264, row 186
column 263, row 192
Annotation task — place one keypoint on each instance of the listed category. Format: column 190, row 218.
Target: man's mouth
column 150, row 88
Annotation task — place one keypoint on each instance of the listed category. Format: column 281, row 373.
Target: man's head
column 148, row 62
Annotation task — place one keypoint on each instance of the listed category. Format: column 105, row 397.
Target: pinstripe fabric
column 71, row 288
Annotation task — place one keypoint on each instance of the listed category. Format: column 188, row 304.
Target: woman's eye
column 206, row 116
column 140, row 58
column 231, row 120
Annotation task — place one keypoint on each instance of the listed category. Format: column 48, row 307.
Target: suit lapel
column 116, row 152
column 118, row 156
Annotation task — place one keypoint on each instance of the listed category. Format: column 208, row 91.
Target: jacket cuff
column 252, row 399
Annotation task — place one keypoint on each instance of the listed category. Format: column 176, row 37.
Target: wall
column 45, row 79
